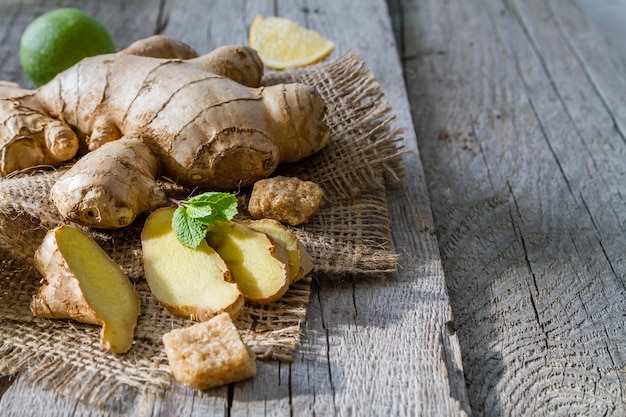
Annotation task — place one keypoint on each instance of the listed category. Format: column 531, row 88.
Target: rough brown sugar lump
column 286, row 199
column 209, row 354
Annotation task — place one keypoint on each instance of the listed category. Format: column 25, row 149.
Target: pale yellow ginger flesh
column 81, row 282
column 189, row 282
column 300, row 262
column 258, row 263
column 209, row 354
column 286, row 199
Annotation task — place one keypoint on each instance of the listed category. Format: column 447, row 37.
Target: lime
column 282, row 43
column 59, row 39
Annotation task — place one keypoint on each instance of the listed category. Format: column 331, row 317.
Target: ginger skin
column 29, row 137
column 208, row 130
column 115, row 185
column 206, row 119
column 159, row 46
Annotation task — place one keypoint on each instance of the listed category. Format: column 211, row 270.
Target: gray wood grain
column 371, row 346
column 519, row 112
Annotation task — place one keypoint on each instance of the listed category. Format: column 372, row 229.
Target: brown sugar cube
column 209, row 354
column 286, row 199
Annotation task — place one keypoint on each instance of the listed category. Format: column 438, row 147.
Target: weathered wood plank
column 371, row 346
column 523, row 156
column 608, row 16
column 597, row 59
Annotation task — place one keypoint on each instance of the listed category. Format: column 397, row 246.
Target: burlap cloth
column 349, row 234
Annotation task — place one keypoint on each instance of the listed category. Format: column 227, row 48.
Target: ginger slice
column 81, row 282
column 300, row 262
column 192, row 283
column 209, row 354
column 258, row 263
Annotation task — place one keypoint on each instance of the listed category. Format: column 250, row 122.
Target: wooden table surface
column 511, row 295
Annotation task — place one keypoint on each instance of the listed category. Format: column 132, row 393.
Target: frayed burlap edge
column 349, row 234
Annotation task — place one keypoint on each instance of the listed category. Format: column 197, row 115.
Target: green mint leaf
column 226, row 207
column 196, row 212
column 192, row 217
column 189, row 231
column 212, row 206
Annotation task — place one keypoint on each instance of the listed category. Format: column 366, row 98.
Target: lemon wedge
column 283, row 44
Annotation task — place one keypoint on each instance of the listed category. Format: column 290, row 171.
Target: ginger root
column 206, row 119
column 236, row 62
column 81, row 282
column 258, row 263
column 189, row 283
column 29, row 137
column 109, row 189
column 159, row 46
column 209, row 131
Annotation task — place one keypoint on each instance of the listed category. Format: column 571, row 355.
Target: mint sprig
column 193, row 217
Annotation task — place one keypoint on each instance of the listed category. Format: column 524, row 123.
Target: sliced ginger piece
column 258, row 263
column 194, row 283
column 300, row 262
column 81, row 282
column 209, row 354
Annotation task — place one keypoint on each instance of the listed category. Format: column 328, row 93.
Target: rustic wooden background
column 520, row 113
column 609, row 17
column 511, row 299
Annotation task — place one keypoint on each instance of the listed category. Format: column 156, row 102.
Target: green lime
column 59, row 39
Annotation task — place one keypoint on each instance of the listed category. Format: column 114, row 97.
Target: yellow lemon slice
column 283, row 44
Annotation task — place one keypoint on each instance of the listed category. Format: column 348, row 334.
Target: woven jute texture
column 349, row 234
